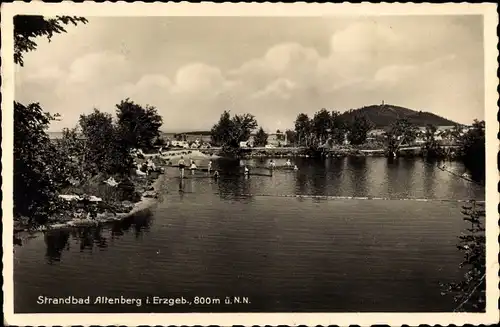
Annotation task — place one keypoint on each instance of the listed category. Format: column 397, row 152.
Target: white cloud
column 366, row 62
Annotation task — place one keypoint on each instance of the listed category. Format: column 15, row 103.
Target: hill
column 384, row 115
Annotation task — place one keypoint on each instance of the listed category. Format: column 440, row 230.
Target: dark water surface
column 214, row 240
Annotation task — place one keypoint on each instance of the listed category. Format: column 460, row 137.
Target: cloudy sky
column 193, row 68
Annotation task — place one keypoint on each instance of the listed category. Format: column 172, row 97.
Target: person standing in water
column 288, row 163
column 272, row 164
column 182, row 165
column 209, row 166
column 295, row 167
column 247, row 172
column 192, row 167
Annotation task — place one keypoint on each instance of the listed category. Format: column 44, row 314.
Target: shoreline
column 339, row 151
column 143, row 204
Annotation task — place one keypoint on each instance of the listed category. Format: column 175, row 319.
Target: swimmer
column 209, row 166
column 182, row 165
column 247, row 172
column 288, row 163
column 295, row 167
column 216, row 174
column 272, row 164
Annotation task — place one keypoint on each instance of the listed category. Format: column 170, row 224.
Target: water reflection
column 302, row 183
column 56, row 242
column 91, row 237
column 141, row 222
column 205, row 245
column 358, row 175
column 429, row 178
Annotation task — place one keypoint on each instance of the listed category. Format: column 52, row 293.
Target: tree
column 98, row 132
column 358, row 130
column 291, row 136
column 338, row 127
column 322, row 125
column 431, row 147
column 472, row 149
column 221, row 132
column 139, row 126
column 303, row 129
column 104, row 148
column 36, row 168
column 280, row 136
column 260, row 138
column 470, row 293
column 70, row 149
column 229, row 132
column 456, row 133
column 35, row 176
column 243, row 126
column 27, row 28
column 401, row 131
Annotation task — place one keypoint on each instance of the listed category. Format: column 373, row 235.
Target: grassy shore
column 115, row 203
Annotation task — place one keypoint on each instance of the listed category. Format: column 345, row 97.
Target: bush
column 470, row 293
column 36, row 173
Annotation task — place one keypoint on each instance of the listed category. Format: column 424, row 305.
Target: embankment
column 145, row 203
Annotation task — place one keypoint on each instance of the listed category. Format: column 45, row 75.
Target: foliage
column 358, row 130
column 243, row 126
column 291, row 136
column 139, row 126
column 400, row 132
column 280, row 136
column 35, row 179
column 97, row 129
column 229, row 132
column 69, row 154
column 469, row 294
column 431, row 147
column 260, row 138
column 27, row 28
column 221, row 132
column 328, row 126
column 160, row 141
column 303, row 129
column 472, row 149
column 322, row 125
column 338, row 127
column 382, row 116
column 37, row 171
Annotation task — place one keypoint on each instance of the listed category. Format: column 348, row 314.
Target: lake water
column 243, row 237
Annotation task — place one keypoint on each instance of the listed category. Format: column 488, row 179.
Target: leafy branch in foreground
column 28, row 27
